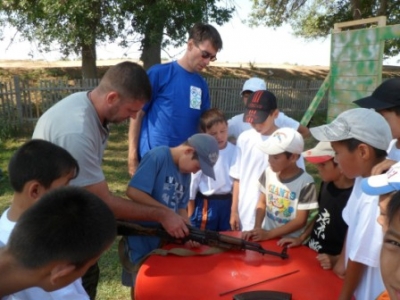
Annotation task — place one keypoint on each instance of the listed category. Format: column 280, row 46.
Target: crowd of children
column 258, row 185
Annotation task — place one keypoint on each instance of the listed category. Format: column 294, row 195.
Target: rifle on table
column 204, row 237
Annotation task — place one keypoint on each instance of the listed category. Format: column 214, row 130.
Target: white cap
column 383, row 183
column 362, row 124
column 283, row 140
column 254, row 84
column 322, row 152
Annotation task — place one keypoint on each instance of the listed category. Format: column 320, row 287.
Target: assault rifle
column 204, row 237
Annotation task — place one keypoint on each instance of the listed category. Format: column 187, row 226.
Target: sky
column 241, row 44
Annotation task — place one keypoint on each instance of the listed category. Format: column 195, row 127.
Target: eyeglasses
column 205, row 54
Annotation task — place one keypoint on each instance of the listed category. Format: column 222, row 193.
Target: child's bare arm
column 298, row 222
column 260, row 210
column 294, row 242
column 234, row 221
column 354, row 272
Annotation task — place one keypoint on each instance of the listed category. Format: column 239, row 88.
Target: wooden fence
column 22, row 102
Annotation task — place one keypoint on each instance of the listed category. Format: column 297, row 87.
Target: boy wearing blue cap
column 387, row 186
column 163, row 180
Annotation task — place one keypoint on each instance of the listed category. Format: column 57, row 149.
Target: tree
column 161, row 23
column 313, row 19
column 76, row 25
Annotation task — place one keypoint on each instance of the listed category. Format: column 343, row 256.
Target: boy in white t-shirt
column 385, row 100
column 261, row 112
column 359, row 138
column 211, row 200
column 236, row 125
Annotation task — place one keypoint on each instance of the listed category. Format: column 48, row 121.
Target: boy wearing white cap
column 163, row 180
column 358, row 148
column 287, row 192
column 236, row 125
column 387, row 186
column 327, row 231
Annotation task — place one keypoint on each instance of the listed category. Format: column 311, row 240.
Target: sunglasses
column 205, row 54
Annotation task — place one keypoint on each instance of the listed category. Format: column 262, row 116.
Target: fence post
column 18, row 97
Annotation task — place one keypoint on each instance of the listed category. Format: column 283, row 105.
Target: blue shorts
column 212, row 212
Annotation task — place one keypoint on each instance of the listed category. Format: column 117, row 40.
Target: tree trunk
column 89, row 68
column 151, row 44
column 382, row 8
column 355, row 8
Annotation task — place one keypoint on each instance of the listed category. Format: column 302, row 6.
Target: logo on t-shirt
column 195, row 97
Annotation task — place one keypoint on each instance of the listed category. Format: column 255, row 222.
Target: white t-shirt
column 73, row 291
column 236, row 125
column 393, row 151
column 249, row 164
column 222, row 183
column 364, row 240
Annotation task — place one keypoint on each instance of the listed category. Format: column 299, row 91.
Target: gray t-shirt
column 74, row 124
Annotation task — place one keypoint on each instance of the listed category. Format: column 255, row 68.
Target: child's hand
column 256, row 235
column 234, row 221
column 192, row 244
column 290, row 242
column 339, row 269
column 327, row 261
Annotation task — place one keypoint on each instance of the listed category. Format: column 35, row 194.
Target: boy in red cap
column 327, row 231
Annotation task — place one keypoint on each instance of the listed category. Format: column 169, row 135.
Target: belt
column 216, row 196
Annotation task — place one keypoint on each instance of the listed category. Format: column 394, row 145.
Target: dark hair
column 352, row 145
column 129, row 79
column 395, row 109
column 67, row 224
column 211, row 117
column 205, row 32
column 393, row 206
column 42, row 161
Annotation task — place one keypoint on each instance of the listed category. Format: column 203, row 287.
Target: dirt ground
column 71, row 69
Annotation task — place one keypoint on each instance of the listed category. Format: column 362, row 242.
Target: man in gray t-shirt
column 79, row 123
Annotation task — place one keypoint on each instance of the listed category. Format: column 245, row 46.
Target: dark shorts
column 212, row 212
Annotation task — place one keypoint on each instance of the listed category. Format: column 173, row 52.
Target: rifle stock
column 204, row 237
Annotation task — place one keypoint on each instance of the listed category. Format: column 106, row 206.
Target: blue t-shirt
column 158, row 176
column 178, row 99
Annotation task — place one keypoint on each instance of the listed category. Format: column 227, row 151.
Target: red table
column 206, row 277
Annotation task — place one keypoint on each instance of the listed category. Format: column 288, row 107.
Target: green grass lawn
column 115, row 169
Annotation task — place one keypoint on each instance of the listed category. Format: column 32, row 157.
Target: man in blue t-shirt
column 179, row 96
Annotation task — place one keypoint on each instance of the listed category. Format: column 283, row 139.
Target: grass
column 115, row 169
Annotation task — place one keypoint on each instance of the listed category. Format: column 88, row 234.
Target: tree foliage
column 77, row 26
column 313, row 19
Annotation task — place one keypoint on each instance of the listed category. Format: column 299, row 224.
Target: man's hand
column 290, row 242
column 174, row 224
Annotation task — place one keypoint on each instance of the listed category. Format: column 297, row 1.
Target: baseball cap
column 283, row 140
column 254, row 84
column 363, row 124
column 259, row 106
column 386, row 95
column 206, row 147
column 383, row 183
column 322, row 152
